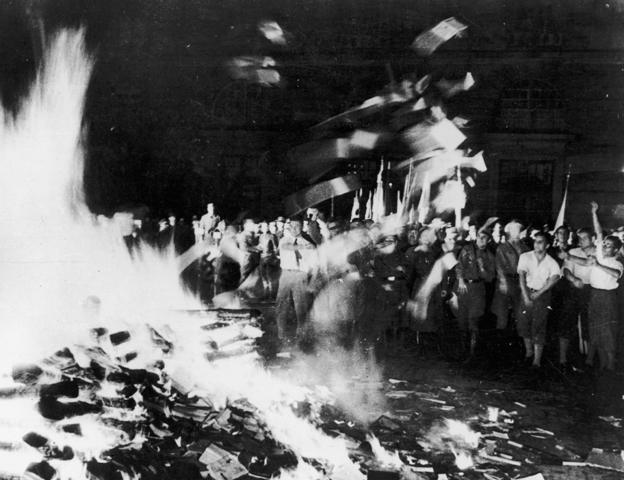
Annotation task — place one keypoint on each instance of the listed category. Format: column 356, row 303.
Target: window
column 519, row 174
column 535, row 107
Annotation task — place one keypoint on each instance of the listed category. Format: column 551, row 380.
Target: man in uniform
column 476, row 265
column 507, row 294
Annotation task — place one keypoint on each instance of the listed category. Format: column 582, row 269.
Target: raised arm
column 596, row 222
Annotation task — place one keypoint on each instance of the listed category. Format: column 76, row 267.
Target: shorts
column 533, row 320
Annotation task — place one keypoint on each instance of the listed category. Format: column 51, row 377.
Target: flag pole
column 561, row 216
column 458, row 208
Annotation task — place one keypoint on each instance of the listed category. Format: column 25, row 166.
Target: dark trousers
column 292, row 303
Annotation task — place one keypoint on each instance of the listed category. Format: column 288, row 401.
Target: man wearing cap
column 209, row 221
column 297, row 259
column 476, row 265
column 507, row 294
column 390, row 273
column 539, row 273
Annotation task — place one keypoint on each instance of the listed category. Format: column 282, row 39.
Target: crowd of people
column 392, row 285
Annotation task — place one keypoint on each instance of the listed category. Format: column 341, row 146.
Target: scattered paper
column 427, row 42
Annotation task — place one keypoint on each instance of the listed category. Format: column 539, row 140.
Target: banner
column 308, row 197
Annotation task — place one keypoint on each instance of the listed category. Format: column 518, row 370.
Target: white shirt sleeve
column 522, row 264
column 615, row 264
column 555, row 268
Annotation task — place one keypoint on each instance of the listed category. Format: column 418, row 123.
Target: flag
column 379, row 204
column 561, row 216
column 355, row 209
column 423, row 204
column 316, row 194
column 399, row 208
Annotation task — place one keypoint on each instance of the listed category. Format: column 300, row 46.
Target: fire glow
column 66, row 271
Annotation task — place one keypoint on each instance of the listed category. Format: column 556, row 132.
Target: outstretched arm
column 596, row 222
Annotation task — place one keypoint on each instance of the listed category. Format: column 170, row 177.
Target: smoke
column 352, row 376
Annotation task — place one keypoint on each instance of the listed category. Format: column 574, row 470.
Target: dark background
column 169, row 129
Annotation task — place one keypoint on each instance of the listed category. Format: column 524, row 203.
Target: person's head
column 210, row 209
column 249, row 226
column 427, row 236
column 513, row 230
column 356, row 223
column 483, row 238
column 312, row 213
column 162, row 224
column 611, row 245
column 171, row 218
column 496, row 233
column 541, row 242
column 534, row 231
column 585, row 237
column 386, row 244
column 472, row 232
column 279, row 223
column 263, row 227
column 562, row 235
column 272, row 227
column 296, row 227
column 450, row 238
column 334, row 226
column 412, row 237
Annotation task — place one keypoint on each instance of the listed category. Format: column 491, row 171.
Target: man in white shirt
column 297, row 258
column 604, row 276
column 538, row 272
column 576, row 295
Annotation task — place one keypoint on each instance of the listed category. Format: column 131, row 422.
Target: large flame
column 64, row 271
column 54, row 252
